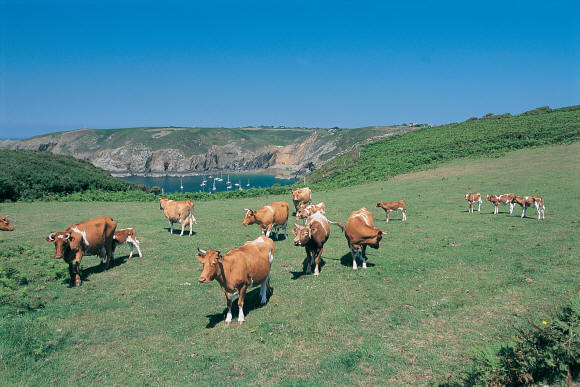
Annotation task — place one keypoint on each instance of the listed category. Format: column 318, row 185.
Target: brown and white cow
column 5, row 224
column 472, row 198
column 529, row 201
column 313, row 235
column 273, row 216
column 128, row 236
column 93, row 237
column 393, row 206
column 503, row 199
column 242, row 268
column 178, row 212
column 360, row 232
column 308, row 210
column 301, row 196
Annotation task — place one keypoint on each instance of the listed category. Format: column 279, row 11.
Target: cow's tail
column 337, row 224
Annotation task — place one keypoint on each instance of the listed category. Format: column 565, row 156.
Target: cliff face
column 122, row 153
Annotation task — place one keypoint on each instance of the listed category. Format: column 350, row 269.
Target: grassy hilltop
column 442, row 284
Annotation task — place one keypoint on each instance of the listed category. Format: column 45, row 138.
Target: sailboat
column 247, row 185
column 181, row 180
column 203, row 182
column 213, row 188
column 220, row 179
column 228, row 183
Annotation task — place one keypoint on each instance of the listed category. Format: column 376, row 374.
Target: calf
column 393, row 206
column 128, row 236
column 5, row 224
column 360, row 232
column 272, row 216
column 308, row 210
column 240, row 269
column 93, row 237
column 472, row 198
column 503, row 199
column 301, row 196
column 178, row 211
column 528, row 201
column 313, row 235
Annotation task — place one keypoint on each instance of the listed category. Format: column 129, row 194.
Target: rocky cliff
column 182, row 151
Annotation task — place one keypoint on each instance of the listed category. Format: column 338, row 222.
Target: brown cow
column 301, row 196
column 178, row 211
column 5, row 224
column 528, row 201
column 308, row 210
column 472, row 198
column 274, row 215
column 360, row 232
column 503, row 199
column 128, row 236
column 393, row 206
column 313, row 235
column 240, row 269
column 93, row 237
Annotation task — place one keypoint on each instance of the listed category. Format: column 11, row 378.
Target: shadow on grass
column 302, row 274
column 346, row 260
column 86, row 273
column 185, row 232
column 251, row 302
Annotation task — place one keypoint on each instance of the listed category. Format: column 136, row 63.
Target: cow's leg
column 77, row 263
column 110, row 253
column 470, row 207
column 511, row 208
column 404, row 214
column 130, row 249
column 71, row 272
column 354, row 254
column 170, row 226
column 308, row 260
column 388, row 212
column 523, row 211
column 479, row 205
column 264, row 290
column 286, row 230
column 363, row 256
column 241, row 318
column 268, row 231
column 317, row 261
column 136, row 242
column 229, row 314
column 182, row 222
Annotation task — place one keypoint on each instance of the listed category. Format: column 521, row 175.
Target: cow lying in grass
column 5, row 224
column 313, row 235
column 242, row 268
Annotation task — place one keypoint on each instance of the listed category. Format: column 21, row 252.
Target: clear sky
column 109, row 64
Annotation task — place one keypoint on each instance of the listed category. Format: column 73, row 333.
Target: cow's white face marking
column 60, row 236
column 84, row 234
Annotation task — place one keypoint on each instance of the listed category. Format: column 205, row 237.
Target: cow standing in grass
column 393, row 206
column 360, row 232
column 242, row 268
column 496, row 200
column 301, row 196
column 529, row 201
column 5, row 224
column 93, row 237
column 178, row 212
column 271, row 217
column 128, row 236
column 313, row 235
column 472, row 198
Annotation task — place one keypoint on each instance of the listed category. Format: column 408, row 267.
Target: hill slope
column 28, row 175
column 172, row 150
column 432, row 292
column 425, row 148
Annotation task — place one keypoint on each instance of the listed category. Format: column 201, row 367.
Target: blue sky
column 102, row 64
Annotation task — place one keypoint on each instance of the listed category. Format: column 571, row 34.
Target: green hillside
column 492, row 135
column 26, row 175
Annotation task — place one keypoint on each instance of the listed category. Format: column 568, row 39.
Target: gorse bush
column 546, row 351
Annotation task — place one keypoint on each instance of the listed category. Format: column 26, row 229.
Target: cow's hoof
column 228, row 323
column 241, row 322
column 79, row 284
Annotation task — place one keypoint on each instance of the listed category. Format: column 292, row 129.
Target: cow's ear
column 50, row 237
column 294, row 231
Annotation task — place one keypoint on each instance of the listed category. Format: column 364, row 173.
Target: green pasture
column 442, row 283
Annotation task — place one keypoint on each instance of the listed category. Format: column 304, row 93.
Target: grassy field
column 442, row 283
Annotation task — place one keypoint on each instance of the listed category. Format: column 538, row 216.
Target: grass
column 442, row 283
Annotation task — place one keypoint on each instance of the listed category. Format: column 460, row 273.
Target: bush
column 542, row 352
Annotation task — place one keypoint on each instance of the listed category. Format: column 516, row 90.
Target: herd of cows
column 249, row 265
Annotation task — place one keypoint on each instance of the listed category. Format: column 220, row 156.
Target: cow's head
column 374, row 242
column 5, row 224
column 295, row 194
column 379, row 204
column 162, row 202
column 302, row 234
column 302, row 213
column 61, row 242
column 488, row 198
column 211, row 260
column 250, row 217
column 466, row 196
